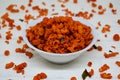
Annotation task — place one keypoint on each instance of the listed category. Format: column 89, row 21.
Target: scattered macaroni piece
column 20, row 39
column 11, row 8
column 84, row 15
column 43, row 3
column 106, row 75
column 22, row 7
column 118, row 21
column 29, row 54
column 75, row 1
column 8, row 35
column 20, row 68
column 63, row 1
column 91, row 72
column 7, row 42
column 23, row 50
column 93, row 4
column 89, row 64
column 104, row 68
column 9, row 65
column 5, row 17
column 91, row 1
column 110, row 5
column 106, row 28
column 40, row 76
column 100, row 7
column 112, row 54
column 102, row 11
column 118, row 63
column 113, row 47
column 73, row 78
column 30, row 3
column 118, row 76
column 114, row 11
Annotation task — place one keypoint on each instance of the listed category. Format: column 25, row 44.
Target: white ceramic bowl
column 61, row 58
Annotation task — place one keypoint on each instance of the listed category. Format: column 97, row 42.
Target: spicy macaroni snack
column 59, row 35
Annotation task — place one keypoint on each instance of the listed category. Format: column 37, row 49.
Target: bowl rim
column 34, row 22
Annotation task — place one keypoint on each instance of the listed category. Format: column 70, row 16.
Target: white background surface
column 74, row 68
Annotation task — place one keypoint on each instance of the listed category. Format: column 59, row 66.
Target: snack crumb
column 118, row 21
column 99, row 48
column 7, row 53
column 116, row 37
column 18, row 27
column 89, row 64
column 91, row 72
